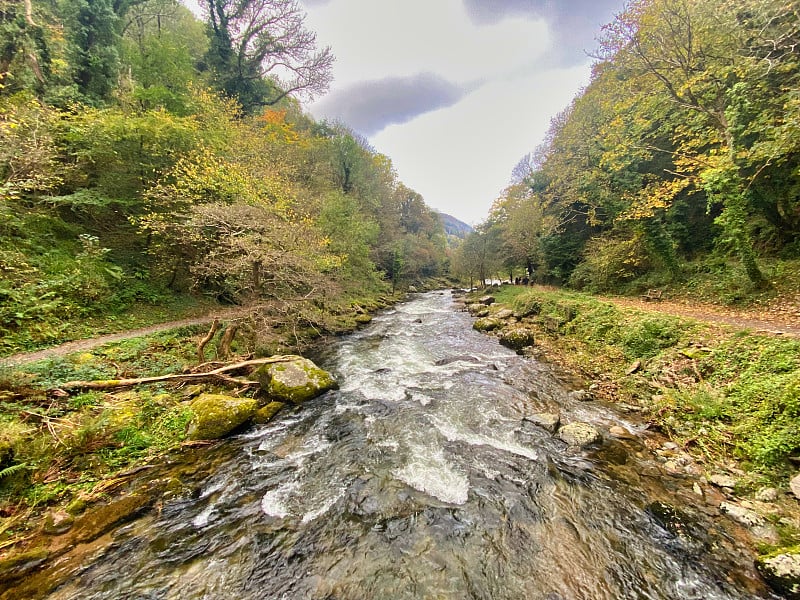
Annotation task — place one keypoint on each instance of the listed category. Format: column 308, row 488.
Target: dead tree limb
column 220, row 373
column 224, row 348
column 201, row 346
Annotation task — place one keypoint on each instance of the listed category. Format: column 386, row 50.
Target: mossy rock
column 363, row 318
column 216, row 415
column 517, row 338
column 19, row 564
column 782, row 571
column 487, row 324
column 96, row 521
column 294, row 381
column 266, row 413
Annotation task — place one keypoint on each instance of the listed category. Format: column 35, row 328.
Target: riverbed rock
column 757, row 524
column 579, row 434
column 294, row 381
column 767, row 494
column 547, row 421
column 504, row 314
column 487, row 300
column 216, row 415
column 363, row 319
column 722, row 481
column 486, row 324
column 621, row 433
column 517, row 337
column 794, row 485
column 268, row 412
column 782, row 571
column 580, row 395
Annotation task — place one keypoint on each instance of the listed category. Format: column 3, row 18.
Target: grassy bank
column 726, row 394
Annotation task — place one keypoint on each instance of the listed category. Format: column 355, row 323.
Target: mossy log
column 220, row 373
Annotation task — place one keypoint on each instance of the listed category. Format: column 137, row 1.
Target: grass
column 725, row 394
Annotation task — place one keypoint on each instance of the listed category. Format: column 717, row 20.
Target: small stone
column 794, row 485
column 671, row 467
column 670, row 445
column 547, row 421
column 634, row 367
column 579, row 434
column 697, row 489
column 767, row 494
column 620, row 432
column 57, row 522
column 742, row 515
column 580, row 395
column 723, row 481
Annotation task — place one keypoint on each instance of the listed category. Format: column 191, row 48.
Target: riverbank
column 720, row 403
column 67, row 459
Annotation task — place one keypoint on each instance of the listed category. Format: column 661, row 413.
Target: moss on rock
column 294, row 381
column 266, row 413
column 517, row 338
column 216, row 415
column 487, row 324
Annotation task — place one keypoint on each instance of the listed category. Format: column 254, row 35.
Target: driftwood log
column 221, row 373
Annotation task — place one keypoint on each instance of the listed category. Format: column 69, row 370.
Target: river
column 420, row 479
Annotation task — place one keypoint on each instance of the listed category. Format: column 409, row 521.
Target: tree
column 261, row 51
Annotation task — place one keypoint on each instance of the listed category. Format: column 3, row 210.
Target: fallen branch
column 220, row 373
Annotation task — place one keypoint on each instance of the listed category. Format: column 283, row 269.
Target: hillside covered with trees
column 147, row 155
column 680, row 162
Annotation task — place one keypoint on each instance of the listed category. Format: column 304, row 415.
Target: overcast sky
column 455, row 92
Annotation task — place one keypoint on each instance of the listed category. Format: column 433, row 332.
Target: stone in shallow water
column 547, row 421
column 294, row 381
column 216, row 415
column 579, row 434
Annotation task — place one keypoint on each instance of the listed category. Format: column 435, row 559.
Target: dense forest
column 681, row 159
column 146, row 155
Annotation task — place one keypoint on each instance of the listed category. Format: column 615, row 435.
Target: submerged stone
column 216, row 415
column 294, row 381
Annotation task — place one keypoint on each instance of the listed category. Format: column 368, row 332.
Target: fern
column 8, row 471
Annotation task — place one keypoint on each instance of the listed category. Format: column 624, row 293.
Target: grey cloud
column 369, row 106
column 576, row 22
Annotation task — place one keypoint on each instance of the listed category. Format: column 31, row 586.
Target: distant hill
column 454, row 227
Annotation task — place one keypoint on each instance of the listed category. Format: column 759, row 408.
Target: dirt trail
column 781, row 317
column 90, row 343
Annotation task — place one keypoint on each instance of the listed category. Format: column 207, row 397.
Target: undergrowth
column 724, row 394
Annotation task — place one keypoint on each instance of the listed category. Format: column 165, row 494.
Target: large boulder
column 517, row 338
column 579, row 434
column 783, row 573
column 294, row 381
column 216, row 415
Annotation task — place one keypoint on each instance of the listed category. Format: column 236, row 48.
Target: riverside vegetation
column 726, row 400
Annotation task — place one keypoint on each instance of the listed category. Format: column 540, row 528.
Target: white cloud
column 460, row 158
column 377, row 39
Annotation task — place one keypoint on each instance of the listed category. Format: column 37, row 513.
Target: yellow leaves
column 654, row 197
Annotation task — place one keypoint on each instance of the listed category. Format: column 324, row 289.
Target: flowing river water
column 421, row 479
